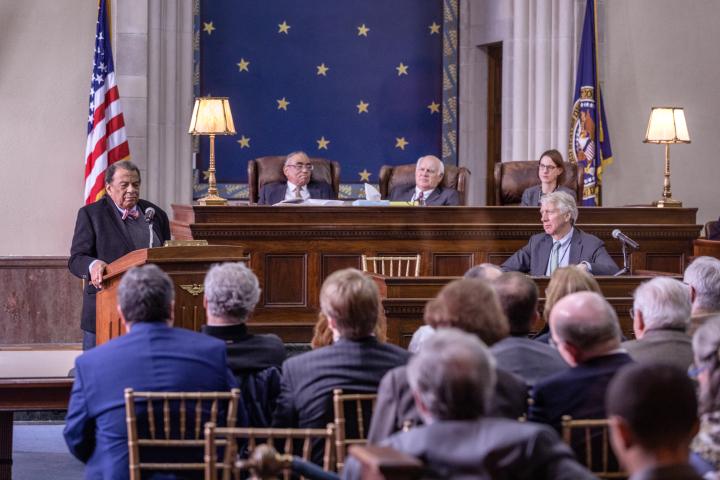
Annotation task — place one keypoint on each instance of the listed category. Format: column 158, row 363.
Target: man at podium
column 113, row 226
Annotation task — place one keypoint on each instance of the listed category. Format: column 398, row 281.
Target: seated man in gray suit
column 562, row 244
column 661, row 316
column 452, row 380
column 299, row 184
column 529, row 359
column 429, row 172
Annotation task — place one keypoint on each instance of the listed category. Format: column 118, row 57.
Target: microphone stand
column 625, row 268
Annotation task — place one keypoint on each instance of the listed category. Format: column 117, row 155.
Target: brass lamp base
column 669, row 203
column 212, row 201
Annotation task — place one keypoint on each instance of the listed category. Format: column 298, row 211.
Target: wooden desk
column 293, row 249
column 20, row 394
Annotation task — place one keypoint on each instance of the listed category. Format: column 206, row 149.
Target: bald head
column 585, row 325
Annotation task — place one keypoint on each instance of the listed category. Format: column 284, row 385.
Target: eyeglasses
column 301, row 166
column 549, row 168
column 631, row 311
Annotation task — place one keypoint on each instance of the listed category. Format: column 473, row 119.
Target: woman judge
column 551, row 171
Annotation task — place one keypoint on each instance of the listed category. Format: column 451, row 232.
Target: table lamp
column 667, row 125
column 211, row 116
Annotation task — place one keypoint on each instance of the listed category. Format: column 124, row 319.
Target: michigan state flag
column 589, row 144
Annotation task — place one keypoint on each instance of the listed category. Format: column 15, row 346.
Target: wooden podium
column 185, row 265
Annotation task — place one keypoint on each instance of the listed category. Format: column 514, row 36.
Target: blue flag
column 589, row 144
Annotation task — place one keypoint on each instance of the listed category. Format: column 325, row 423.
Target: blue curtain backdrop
column 360, row 82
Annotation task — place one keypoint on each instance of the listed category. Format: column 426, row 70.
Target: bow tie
column 134, row 213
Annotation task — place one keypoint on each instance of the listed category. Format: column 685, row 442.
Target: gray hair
column 231, row 291
column 146, row 294
column 706, row 345
column 703, row 275
column 589, row 322
column 441, row 167
column 121, row 165
column 484, row 271
column 292, row 154
column 454, row 375
column 664, row 303
column 563, row 202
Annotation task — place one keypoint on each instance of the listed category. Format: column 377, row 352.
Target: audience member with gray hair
column 703, row 277
column 452, row 380
column 561, row 244
column 231, row 292
column 150, row 356
column 661, row 316
column 586, row 331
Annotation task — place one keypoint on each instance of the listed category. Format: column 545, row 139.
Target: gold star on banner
column 363, row 30
column 434, row 108
column 206, row 174
column 401, row 143
column 322, row 143
column 243, row 65
column 364, row 175
column 284, row 27
column 244, row 142
column 208, row 27
column 322, row 70
column 402, row 69
column 282, row 104
column 362, row 107
column 434, row 28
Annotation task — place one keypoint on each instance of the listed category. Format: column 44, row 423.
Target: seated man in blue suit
column 151, row 356
column 562, row 244
column 429, row 172
column 299, row 184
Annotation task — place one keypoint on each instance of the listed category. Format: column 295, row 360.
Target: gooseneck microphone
column 149, row 215
column 618, row 235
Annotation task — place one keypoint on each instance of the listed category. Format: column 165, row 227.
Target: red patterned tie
column 134, row 213
column 421, row 198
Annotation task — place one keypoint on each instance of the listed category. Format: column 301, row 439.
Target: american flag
column 106, row 141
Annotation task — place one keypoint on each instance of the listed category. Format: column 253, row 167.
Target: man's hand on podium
column 96, row 273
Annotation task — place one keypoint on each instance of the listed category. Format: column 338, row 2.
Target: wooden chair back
column 397, row 266
column 173, row 420
column 512, row 178
column 586, row 436
column 270, row 169
column 292, row 441
column 457, row 178
column 354, row 407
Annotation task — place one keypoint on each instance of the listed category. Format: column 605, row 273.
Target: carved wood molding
column 34, row 262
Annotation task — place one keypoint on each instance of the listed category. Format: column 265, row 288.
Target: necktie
column 297, row 192
column 554, row 258
column 420, row 199
column 134, row 213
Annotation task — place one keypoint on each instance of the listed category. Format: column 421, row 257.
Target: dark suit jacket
column 440, row 196
column 152, row 356
column 488, row 448
column 395, row 403
column 662, row 346
column 101, row 235
column 529, row 359
column 533, row 257
column 272, row 193
column 578, row 391
column 531, row 195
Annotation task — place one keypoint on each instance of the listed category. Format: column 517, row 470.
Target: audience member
column 299, row 184
column 526, row 358
column 564, row 281
column 561, row 244
column 470, row 305
column 452, row 381
column 151, row 356
column 703, row 277
column 484, row 271
column 661, row 316
column 585, row 329
column 356, row 361
column 653, row 417
column 551, row 172
column 231, row 293
column 706, row 349
column 323, row 336
column 429, row 172
column 713, row 232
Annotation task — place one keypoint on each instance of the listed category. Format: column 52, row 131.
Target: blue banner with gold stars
column 356, row 82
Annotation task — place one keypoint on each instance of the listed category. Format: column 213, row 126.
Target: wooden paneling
column 40, row 301
column 449, row 264
column 334, row 262
column 285, row 280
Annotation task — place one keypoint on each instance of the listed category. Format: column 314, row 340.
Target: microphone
column 618, row 235
column 149, row 214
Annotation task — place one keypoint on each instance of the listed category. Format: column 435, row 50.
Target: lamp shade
column 667, row 125
column 211, row 115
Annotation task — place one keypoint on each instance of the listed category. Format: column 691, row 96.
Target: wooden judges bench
column 293, row 249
